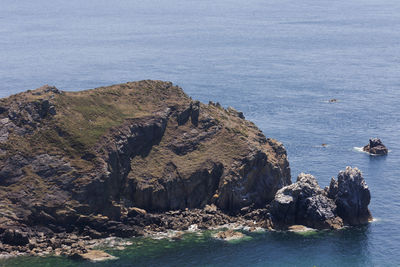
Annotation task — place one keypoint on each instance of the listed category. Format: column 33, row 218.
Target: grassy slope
column 83, row 117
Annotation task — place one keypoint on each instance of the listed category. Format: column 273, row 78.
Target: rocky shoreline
column 143, row 158
column 37, row 243
column 302, row 205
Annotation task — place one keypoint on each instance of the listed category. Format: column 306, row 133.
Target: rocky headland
column 143, row 157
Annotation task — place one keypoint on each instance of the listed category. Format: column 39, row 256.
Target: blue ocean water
column 278, row 61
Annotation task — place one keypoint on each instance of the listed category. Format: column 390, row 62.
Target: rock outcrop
column 345, row 202
column 101, row 162
column 376, row 147
column 304, row 203
column 351, row 196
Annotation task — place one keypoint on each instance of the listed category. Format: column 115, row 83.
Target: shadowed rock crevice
column 177, row 191
column 254, row 183
column 134, row 138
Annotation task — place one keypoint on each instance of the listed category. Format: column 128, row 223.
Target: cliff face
column 68, row 159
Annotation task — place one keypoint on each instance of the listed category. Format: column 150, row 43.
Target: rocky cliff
column 143, row 156
column 75, row 161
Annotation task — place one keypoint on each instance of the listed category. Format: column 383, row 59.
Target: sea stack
column 345, row 202
column 375, row 147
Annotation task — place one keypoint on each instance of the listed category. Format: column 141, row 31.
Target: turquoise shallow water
column 277, row 61
column 267, row 249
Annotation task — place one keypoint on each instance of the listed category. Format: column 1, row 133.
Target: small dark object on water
column 376, row 147
column 324, row 145
column 333, row 100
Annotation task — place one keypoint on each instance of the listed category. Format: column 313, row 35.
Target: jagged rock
column 212, row 209
column 351, row 195
column 304, row 203
column 195, row 112
column 376, row 147
column 345, row 202
column 45, row 89
column 132, row 212
column 234, row 112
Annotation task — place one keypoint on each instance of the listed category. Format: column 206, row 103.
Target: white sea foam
column 376, row 220
column 359, row 149
column 193, row 228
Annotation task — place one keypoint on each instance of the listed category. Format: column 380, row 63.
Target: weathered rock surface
column 352, row 197
column 345, row 202
column 116, row 160
column 376, row 147
column 304, row 203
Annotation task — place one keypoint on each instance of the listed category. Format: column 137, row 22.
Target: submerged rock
column 376, row 147
column 93, row 256
column 300, row 229
column 229, row 235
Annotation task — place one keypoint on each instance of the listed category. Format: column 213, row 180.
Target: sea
column 280, row 62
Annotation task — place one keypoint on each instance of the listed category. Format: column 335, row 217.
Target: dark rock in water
column 345, row 202
column 229, row 235
column 376, row 147
column 305, row 203
column 352, row 196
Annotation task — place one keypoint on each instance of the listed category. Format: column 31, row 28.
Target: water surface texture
column 278, row 61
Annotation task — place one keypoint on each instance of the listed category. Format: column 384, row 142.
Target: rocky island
column 375, row 147
column 142, row 157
